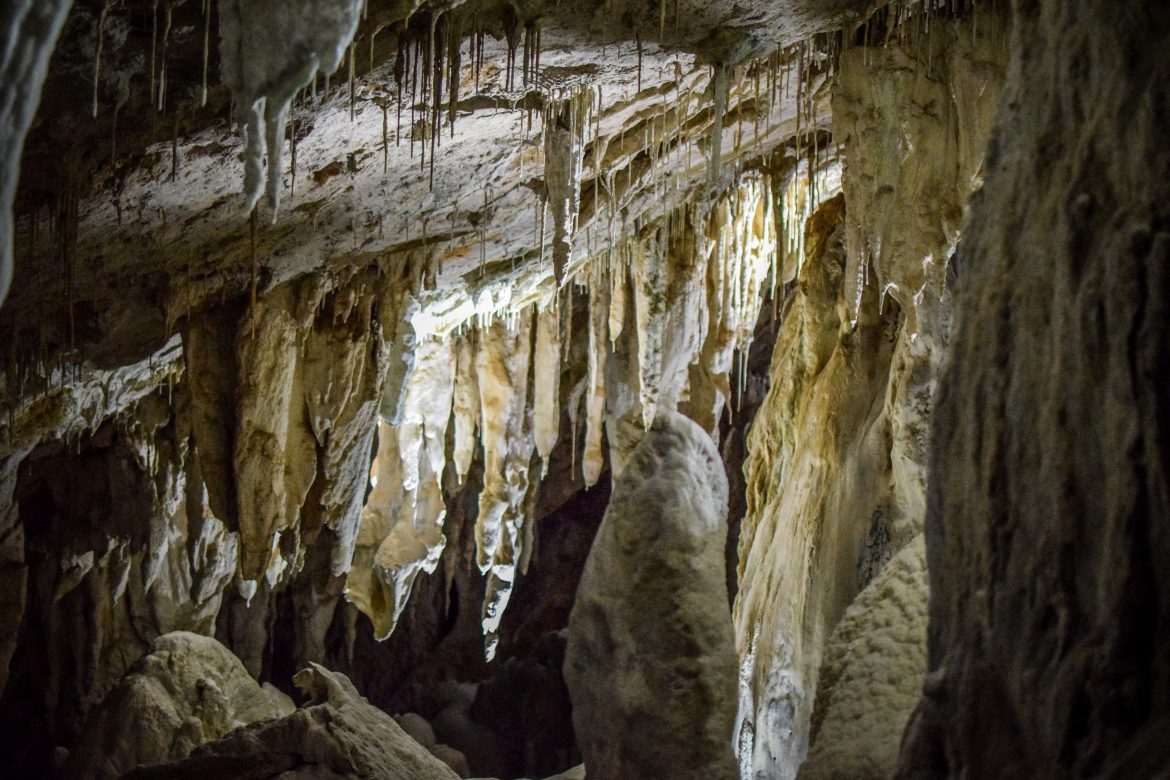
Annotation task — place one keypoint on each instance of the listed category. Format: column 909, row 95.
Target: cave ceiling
column 130, row 212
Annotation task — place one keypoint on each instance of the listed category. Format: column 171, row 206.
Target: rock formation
column 836, row 468
column 377, row 431
column 337, row 734
column 872, row 674
column 186, row 691
column 30, row 32
column 650, row 662
column 1048, row 504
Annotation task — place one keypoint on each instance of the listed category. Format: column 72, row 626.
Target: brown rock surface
column 1049, row 508
column 186, row 691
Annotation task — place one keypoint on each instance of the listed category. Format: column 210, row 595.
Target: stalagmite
column 872, row 675
column 649, row 631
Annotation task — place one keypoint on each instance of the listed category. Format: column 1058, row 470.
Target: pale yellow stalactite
column 546, row 407
column 466, row 405
column 592, row 459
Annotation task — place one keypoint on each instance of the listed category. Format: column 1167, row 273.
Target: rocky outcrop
column 338, row 734
column 186, row 691
column 1048, row 507
column 650, row 662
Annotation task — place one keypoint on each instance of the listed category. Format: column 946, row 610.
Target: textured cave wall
column 1049, row 503
column 836, row 468
column 118, row 551
column 821, row 430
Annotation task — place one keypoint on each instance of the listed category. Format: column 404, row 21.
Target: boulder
column 188, row 690
column 338, row 734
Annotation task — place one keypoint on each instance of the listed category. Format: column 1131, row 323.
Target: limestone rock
column 452, row 758
column 576, row 773
column 650, row 663
column 186, row 691
column 807, row 522
column 417, row 728
column 914, row 119
column 337, row 735
column 836, row 470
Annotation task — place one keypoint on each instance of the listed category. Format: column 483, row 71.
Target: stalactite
column 455, row 66
column 292, row 143
column 352, row 82
column 168, row 16
column 648, row 272
column 153, row 49
column 264, row 74
column 565, row 125
column 466, row 405
column 502, row 368
column 638, row 46
column 97, row 56
column 592, row 457
column 546, row 408
column 206, row 49
column 720, row 86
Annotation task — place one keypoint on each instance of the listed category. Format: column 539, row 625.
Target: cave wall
column 836, row 469
column 1048, row 503
column 1045, row 456
column 119, row 548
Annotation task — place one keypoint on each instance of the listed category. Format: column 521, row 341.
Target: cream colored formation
column 423, row 356
column 675, row 307
column 837, row 465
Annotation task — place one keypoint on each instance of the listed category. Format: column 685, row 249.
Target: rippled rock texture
column 1048, row 504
